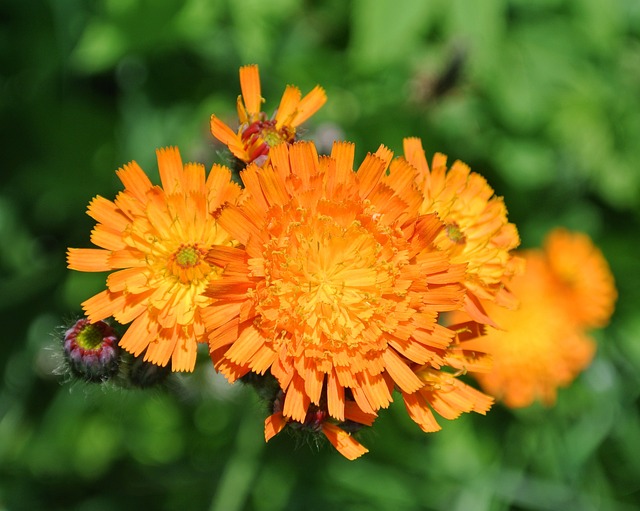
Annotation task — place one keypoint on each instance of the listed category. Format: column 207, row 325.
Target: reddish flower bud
column 91, row 350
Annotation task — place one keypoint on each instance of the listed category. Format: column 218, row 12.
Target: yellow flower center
column 187, row 256
column 273, row 136
column 455, row 234
column 188, row 265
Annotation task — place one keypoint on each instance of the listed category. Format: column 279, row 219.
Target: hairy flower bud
column 91, row 350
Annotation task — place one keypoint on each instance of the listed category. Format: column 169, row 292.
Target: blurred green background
column 542, row 97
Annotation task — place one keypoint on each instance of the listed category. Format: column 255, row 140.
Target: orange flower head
column 337, row 286
column 584, row 278
column 543, row 345
column 257, row 133
column 157, row 239
column 476, row 232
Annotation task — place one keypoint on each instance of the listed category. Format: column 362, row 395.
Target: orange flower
column 542, row 345
column 257, row 134
column 157, row 240
column 337, row 286
column 477, row 232
column 584, row 278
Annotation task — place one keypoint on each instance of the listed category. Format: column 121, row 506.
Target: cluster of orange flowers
column 329, row 279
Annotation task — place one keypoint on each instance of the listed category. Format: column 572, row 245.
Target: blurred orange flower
column 337, row 286
column 476, row 232
column 585, row 282
column 257, row 133
column 543, row 344
column 157, row 239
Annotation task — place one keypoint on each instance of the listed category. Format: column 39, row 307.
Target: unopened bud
column 143, row 374
column 91, row 350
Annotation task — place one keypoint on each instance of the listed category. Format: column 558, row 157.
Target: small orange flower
column 157, row 239
column 257, row 133
column 476, row 228
column 337, row 286
column 543, row 344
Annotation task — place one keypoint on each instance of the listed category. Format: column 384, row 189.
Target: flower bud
column 91, row 350
column 143, row 374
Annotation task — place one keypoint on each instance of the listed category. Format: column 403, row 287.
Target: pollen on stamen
column 187, row 256
column 455, row 234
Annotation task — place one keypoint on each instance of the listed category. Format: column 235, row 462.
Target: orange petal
column 341, row 174
column 245, row 346
column 184, row 355
column 106, row 212
column 171, row 169
column 134, row 306
column 130, row 280
column 369, row 174
column 103, row 305
column 161, row 348
column 362, row 401
column 135, row 180
column 219, row 314
column 353, row 413
column 335, row 397
column 375, row 388
column 262, row 360
column 430, row 337
column 107, row 238
column 88, row 259
column 231, row 371
column 227, row 136
column 221, row 337
column 127, row 258
column 309, row 105
column 474, row 308
column 288, row 107
column 250, row 86
column 220, row 188
column 420, row 412
column 414, row 153
column 313, row 383
column 193, row 177
column 282, row 371
column 235, row 222
column 296, row 401
column 385, row 154
column 412, row 350
column 400, row 372
column 139, row 334
column 273, row 425
column 345, row 444
column 304, row 159
column 273, row 187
